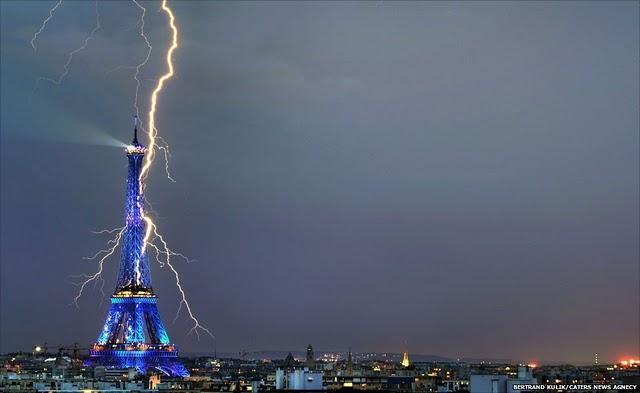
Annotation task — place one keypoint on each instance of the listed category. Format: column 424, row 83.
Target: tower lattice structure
column 133, row 334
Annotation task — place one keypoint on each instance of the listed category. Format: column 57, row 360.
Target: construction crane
column 71, row 350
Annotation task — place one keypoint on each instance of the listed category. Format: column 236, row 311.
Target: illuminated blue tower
column 133, row 334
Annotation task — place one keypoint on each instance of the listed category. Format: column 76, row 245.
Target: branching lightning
column 67, row 65
column 152, row 235
column 161, row 143
column 164, row 146
column 139, row 66
column 104, row 254
column 168, row 253
column 109, row 231
column 152, row 132
column 44, row 24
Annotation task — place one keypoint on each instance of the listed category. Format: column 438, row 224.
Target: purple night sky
column 458, row 179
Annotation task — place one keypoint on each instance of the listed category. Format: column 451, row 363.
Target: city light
column 211, row 60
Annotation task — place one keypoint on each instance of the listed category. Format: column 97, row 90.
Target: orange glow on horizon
column 630, row 363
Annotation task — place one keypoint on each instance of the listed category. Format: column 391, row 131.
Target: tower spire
column 135, row 130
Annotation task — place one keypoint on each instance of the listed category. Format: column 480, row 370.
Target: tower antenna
column 135, row 130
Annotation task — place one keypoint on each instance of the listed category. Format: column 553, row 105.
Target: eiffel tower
column 133, row 334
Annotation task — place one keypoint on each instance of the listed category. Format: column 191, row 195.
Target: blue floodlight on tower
column 133, row 334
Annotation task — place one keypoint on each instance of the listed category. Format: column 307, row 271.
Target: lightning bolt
column 144, row 62
column 153, row 135
column 162, row 145
column 138, row 67
column 167, row 252
column 67, row 65
column 163, row 252
column 109, row 231
column 104, row 254
column 152, row 131
column 44, row 24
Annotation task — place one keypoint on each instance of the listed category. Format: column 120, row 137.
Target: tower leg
column 155, row 323
column 112, row 324
column 134, row 336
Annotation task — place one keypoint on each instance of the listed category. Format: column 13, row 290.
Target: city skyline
column 446, row 179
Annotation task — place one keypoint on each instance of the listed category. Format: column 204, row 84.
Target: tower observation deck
column 133, row 334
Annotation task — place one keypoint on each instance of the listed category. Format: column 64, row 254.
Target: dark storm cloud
column 460, row 177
